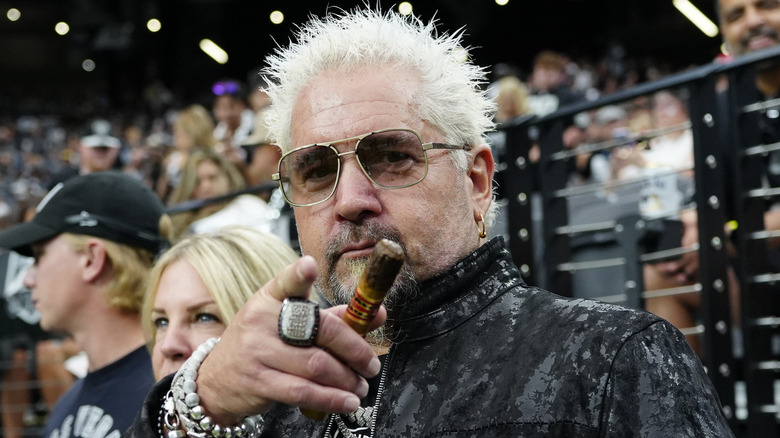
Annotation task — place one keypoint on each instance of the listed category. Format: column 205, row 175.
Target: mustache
column 763, row 31
column 350, row 232
column 404, row 288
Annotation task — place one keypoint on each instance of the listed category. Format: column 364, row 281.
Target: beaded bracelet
column 182, row 407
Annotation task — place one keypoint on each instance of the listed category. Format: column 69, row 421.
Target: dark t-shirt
column 105, row 402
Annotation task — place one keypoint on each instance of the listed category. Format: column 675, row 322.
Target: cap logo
column 48, row 197
column 84, row 220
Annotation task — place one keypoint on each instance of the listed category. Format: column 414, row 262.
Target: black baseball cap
column 111, row 205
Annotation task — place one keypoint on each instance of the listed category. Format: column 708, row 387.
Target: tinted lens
column 393, row 158
column 309, row 175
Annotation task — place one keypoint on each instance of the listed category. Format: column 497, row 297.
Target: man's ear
column 94, row 260
column 480, row 174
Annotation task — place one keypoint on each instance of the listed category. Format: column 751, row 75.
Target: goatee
column 339, row 289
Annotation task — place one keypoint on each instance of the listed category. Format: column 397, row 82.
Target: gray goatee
column 340, row 290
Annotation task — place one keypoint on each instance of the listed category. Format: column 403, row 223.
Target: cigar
column 377, row 279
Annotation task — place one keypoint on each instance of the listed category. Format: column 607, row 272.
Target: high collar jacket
column 480, row 354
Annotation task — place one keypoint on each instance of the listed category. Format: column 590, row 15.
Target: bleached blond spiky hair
column 451, row 95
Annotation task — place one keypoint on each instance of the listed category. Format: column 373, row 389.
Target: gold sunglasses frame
column 425, row 147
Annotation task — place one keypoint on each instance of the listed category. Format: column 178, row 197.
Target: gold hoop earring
column 483, row 230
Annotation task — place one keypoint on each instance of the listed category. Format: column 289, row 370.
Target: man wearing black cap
column 93, row 239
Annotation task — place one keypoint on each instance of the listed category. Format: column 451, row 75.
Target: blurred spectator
column 511, row 98
column 656, row 180
column 584, row 78
column 640, row 114
column 235, row 119
column 610, row 122
column 193, row 129
column 135, row 154
column 258, row 98
column 262, row 156
column 674, row 148
column 97, row 152
column 500, row 70
column 206, row 175
column 549, row 90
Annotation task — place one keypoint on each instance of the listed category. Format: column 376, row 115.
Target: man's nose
column 355, row 193
column 29, row 277
column 754, row 17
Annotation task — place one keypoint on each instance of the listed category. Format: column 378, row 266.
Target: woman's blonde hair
column 512, row 98
column 196, row 122
column 232, row 262
column 189, row 181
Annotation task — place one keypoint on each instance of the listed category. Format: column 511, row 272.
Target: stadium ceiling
column 126, row 55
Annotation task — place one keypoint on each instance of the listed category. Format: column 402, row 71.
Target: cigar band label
column 362, row 309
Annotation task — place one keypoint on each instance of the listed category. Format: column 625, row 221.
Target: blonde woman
column 511, row 98
column 208, row 174
column 198, row 285
column 193, row 129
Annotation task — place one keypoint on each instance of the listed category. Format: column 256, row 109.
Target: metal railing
column 729, row 184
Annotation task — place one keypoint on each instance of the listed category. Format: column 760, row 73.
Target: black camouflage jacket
column 484, row 355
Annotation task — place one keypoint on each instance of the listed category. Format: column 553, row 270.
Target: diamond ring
column 299, row 321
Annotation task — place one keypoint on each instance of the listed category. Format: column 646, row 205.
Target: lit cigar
column 377, row 279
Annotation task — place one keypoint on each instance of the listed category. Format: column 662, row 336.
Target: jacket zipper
column 329, row 426
column 380, row 389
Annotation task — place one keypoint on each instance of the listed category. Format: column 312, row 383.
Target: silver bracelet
column 183, row 410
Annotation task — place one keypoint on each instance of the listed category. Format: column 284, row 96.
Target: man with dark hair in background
column 549, row 90
column 748, row 26
column 235, row 119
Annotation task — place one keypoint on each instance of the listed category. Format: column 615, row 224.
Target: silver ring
column 299, row 321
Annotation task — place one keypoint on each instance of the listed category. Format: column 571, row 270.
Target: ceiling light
column 696, row 17
column 61, row 28
column 88, row 64
column 154, row 25
column 13, row 14
column 213, row 50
